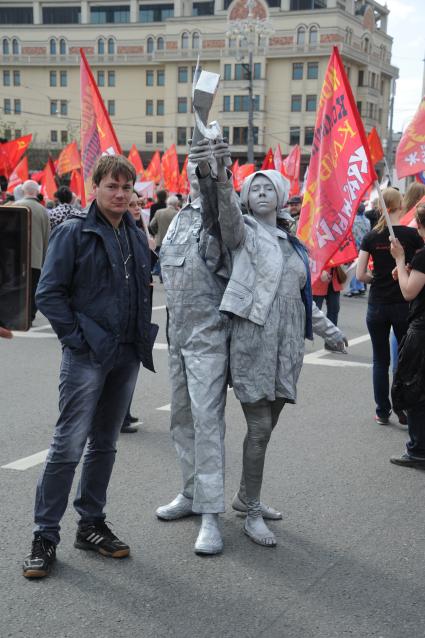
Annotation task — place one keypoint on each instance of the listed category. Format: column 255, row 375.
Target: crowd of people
column 240, row 305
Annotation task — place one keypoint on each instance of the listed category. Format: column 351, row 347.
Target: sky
column 406, row 26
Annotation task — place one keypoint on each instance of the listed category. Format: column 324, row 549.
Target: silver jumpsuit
column 198, row 336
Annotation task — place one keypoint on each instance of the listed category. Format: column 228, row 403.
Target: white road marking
column 35, row 335
column 165, row 408
column 27, row 461
column 158, row 307
column 316, row 358
column 160, row 346
column 46, row 326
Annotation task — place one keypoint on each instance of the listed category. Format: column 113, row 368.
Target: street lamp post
column 248, row 31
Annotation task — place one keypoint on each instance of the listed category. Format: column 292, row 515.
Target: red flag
column 69, row 159
column 235, row 172
column 170, row 169
column 11, row 152
column 291, row 169
column 268, row 161
column 183, row 179
column 278, row 160
column 48, row 184
column 97, row 133
column 410, row 155
column 19, row 175
column 409, row 217
column 340, row 169
column 347, row 251
column 136, row 160
column 153, row 171
column 375, row 146
column 76, row 185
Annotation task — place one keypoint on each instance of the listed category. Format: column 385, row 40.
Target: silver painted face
column 262, row 198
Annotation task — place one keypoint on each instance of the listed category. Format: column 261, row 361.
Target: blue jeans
column 93, row 400
column 379, row 319
column 332, row 303
column 356, row 285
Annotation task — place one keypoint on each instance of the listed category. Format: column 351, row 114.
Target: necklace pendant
column 126, row 275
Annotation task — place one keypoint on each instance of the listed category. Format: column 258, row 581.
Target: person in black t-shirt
column 408, row 391
column 387, row 307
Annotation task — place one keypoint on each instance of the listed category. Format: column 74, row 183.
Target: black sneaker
column 99, row 538
column 408, row 461
column 43, row 553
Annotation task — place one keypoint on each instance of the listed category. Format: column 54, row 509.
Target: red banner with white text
column 340, row 169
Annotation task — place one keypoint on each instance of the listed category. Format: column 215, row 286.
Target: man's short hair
column 161, row 196
column 296, row 199
column 64, row 195
column 173, row 201
column 114, row 165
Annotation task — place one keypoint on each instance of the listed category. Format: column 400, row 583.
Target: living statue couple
column 239, row 305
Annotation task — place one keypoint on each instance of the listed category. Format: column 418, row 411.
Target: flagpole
column 384, row 209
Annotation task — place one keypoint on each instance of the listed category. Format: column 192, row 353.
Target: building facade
column 143, row 55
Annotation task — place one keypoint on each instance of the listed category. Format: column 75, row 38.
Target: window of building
column 182, row 74
column 6, row 78
column 360, row 81
column 64, row 78
column 149, row 137
column 182, row 105
column 16, row 78
column 195, row 40
column 160, row 109
column 241, row 103
column 297, row 70
column 301, row 5
column 111, row 107
column 296, row 103
column 160, row 44
column 240, row 135
column 294, row 135
column 18, row 132
column 53, row 107
column 203, row 8
column 366, row 45
column 53, row 136
column 359, row 107
column 62, row 47
column 5, row 46
column 61, row 15
column 64, row 137
column 64, row 107
column 226, row 103
column 311, row 102
column 101, row 46
column 16, row 15
column 301, row 36
column 313, row 35
column 101, row 78
column 159, row 137
column 150, row 45
column 226, row 132
column 149, row 107
column 185, row 40
column 52, row 46
column 111, row 46
column 308, row 135
column 7, row 106
column 160, row 77
column 110, row 15
column 53, row 81
column 15, row 46
column 312, row 70
column 227, row 72
column 8, row 133
column 257, row 70
column 348, row 35
column 241, row 71
column 156, row 12
column 111, row 78
column 149, row 78
column 232, row 43
column 181, row 135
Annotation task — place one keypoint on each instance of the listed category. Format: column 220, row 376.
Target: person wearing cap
column 294, row 205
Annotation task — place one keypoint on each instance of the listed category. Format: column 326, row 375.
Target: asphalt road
column 350, row 557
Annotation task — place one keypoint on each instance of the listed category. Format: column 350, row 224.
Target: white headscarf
column 280, row 184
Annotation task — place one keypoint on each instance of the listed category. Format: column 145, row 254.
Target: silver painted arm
column 230, row 216
column 327, row 330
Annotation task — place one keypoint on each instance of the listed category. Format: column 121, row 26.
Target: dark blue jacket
column 80, row 282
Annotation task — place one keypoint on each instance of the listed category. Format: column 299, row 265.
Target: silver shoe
column 209, row 539
column 179, row 508
column 266, row 511
column 258, row 531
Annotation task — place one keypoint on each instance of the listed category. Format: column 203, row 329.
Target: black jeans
column 35, row 276
column 379, row 319
column 416, row 423
column 332, row 303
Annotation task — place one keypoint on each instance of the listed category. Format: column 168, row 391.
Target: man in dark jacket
column 94, row 289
